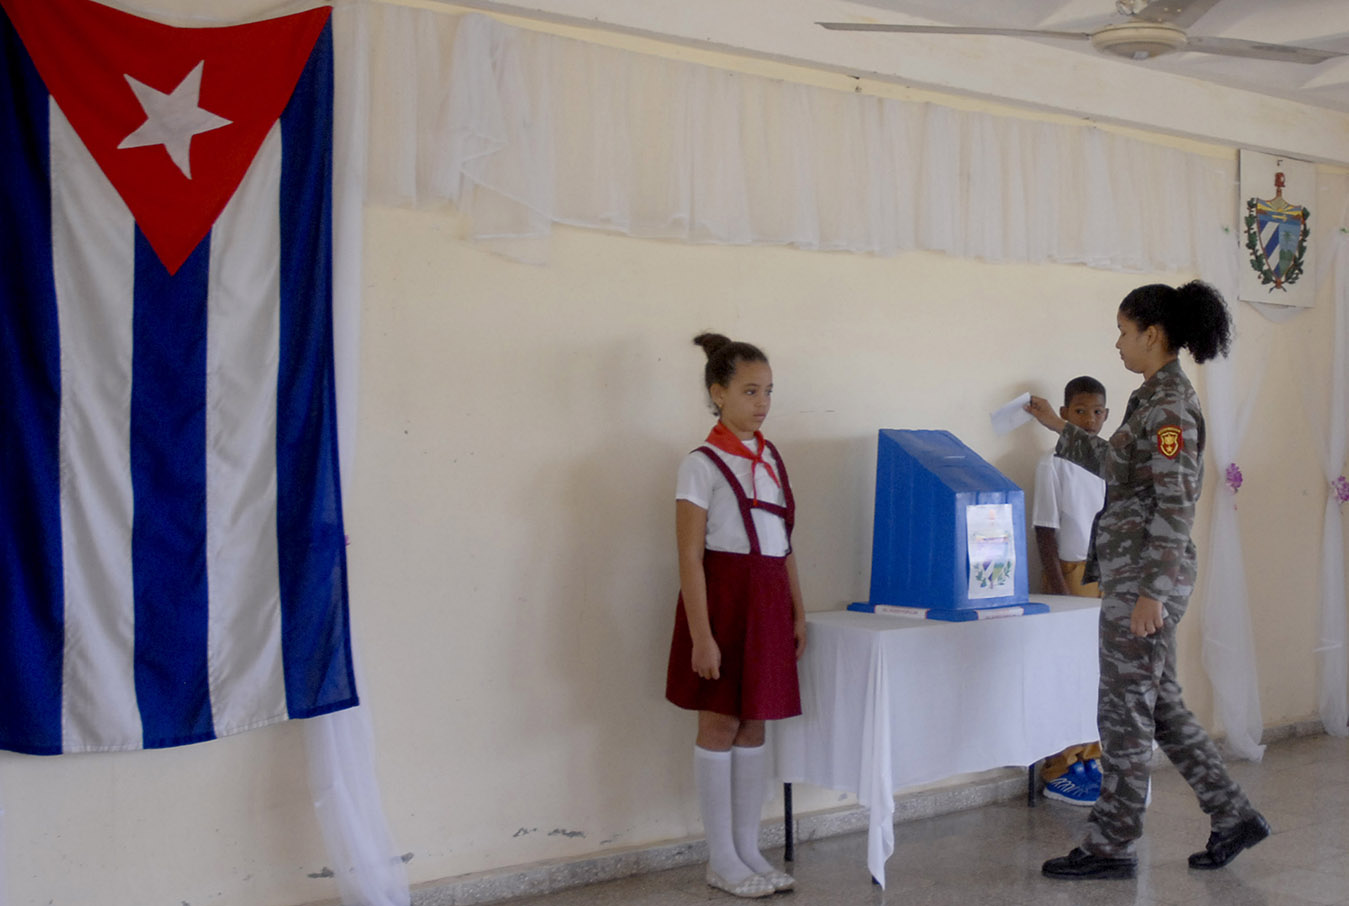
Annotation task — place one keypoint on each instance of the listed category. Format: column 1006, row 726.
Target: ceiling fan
column 1153, row 29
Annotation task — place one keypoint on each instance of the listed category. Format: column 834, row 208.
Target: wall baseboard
column 540, row 878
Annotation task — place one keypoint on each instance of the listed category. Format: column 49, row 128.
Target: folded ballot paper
column 1011, row 415
column 949, row 540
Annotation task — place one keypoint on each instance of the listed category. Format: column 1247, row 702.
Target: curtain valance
column 523, row 130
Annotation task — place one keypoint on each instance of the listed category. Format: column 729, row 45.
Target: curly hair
column 1193, row 317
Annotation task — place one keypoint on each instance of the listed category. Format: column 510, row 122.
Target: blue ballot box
column 949, row 531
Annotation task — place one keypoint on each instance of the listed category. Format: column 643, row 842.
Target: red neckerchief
column 725, row 440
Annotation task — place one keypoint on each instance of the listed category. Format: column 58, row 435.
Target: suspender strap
column 786, row 513
column 740, row 497
column 789, row 516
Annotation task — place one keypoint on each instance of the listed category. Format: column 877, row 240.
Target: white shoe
column 779, row 879
column 752, row 887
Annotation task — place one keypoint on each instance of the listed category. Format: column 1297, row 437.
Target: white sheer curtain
column 1228, row 642
column 340, row 746
column 366, row 866
column 1333, row 697
column 523, row 130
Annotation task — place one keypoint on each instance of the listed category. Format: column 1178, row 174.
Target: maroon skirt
column 749, row 604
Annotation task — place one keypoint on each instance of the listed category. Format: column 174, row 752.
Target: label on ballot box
column 949, row 527
column 950, row 616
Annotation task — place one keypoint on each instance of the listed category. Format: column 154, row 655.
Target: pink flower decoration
column 1341, row 488
column 1234, row 477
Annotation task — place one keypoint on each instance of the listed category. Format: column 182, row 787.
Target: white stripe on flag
column 243, row 328
column 93, row 238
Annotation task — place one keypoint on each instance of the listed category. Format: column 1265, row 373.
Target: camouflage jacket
column 1153, row 467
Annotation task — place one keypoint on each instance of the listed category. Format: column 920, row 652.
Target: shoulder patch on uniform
column 1170, row 441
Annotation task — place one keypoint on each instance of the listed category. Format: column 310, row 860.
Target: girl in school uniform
column 740, row 624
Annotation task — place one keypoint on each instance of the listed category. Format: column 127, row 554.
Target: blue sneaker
column 1093, row 767
column 1074, row 787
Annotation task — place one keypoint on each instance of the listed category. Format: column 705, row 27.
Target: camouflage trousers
column 1140, row 700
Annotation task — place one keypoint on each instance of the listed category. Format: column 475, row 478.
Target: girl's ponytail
column 1208, row 332
column 1193, row 316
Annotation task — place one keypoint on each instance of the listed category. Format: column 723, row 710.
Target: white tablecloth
column 892, row 702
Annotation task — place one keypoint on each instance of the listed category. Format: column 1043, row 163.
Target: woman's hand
column 799, row 630
column 1044, row 413
column 1148, row 617
column 707, row 659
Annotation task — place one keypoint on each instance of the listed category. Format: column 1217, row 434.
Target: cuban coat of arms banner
column 172, row 556
column 1275, row 220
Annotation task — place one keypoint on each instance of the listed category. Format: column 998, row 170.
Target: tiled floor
column 991, row 856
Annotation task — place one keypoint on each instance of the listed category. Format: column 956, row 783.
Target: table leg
column 1030, row 784
column 790, row 853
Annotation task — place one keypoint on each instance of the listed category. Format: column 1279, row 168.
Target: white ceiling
column 1323, row 24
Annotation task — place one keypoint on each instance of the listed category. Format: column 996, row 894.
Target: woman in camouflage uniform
column 1153, row 467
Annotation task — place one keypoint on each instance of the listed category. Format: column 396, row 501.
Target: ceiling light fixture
column 1139, row 40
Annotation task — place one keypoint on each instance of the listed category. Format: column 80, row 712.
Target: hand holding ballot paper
column 1011, row 415
column 1023, row 409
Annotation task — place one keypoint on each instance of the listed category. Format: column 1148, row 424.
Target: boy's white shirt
column 1067, row 499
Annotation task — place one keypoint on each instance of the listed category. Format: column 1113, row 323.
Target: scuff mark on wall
column 563, row 832
column 525, row 830
column 325, row 873
column 406, row 857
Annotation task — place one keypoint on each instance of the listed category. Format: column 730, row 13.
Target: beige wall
column 512, row 556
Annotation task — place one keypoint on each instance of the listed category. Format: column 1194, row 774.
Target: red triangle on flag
column 173, row 116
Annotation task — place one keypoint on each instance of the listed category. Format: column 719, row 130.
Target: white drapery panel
column 1228, row 642
column 523, row 130
column 340, row 747
column 1333, row 696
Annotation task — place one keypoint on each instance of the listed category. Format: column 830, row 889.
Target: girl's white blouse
column 702, row 484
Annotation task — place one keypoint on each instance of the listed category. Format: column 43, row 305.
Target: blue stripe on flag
column 312, row 547
column 32, row 630
column 168, row 475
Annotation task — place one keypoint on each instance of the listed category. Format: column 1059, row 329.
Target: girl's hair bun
column 723, row 355
column 711, row 342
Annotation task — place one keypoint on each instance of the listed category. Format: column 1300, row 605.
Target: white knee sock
column 712, row 770
column 749, row 783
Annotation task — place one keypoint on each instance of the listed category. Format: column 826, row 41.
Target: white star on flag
column 172, row 119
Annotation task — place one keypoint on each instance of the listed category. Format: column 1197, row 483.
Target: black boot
column 1223, row 848
column 1082, row 865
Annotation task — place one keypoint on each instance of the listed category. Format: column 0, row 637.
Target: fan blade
column 953, row 30
column 1283, row 53
column 1180, row 13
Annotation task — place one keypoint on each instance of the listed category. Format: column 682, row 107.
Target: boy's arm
column 1045, row 518
column 1047, row 540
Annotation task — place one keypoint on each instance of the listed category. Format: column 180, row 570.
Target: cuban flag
column 172, row 557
